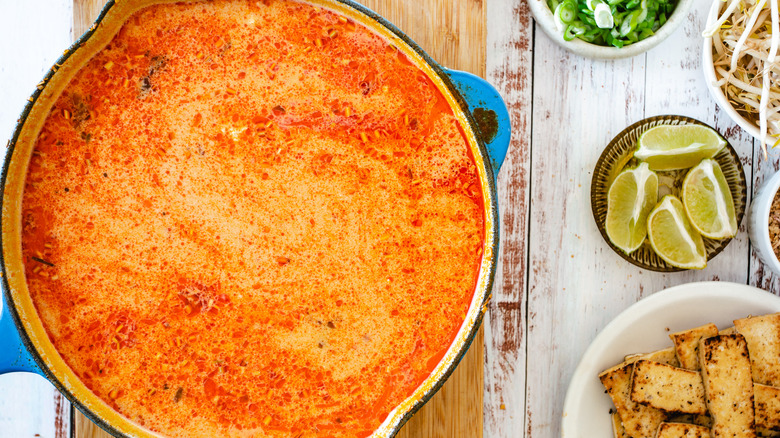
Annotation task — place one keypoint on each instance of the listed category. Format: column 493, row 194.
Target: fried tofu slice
column 638, row 420
column 686, row 345
column 666, row 355
column 617, row 426
column 728, row 386
column 667, row 380
column 762, row 334
column 767, row 406
column 668, row 388
column 699, row 420
column 682, row 430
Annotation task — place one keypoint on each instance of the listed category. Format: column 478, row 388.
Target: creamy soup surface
column 251, row 218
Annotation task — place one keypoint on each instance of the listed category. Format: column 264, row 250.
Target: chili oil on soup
column 251, row 219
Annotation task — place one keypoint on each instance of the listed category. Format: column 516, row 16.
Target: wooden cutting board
column 453, row 32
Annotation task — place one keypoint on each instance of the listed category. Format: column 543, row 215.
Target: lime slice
column 672, row 236
column 670, row 147
column 708, row 203
column 631, row 197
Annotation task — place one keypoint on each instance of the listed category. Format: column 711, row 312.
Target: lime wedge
column 672, row 236
column 708, row 201
column 670, row 147
column 631, row 197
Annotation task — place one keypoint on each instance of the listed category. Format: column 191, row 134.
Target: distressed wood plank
column 576, row 283
column 509, row 68
column 84, row 428
column 30, row 406
column 453, row 33
column 34, row 34
column 84, row 14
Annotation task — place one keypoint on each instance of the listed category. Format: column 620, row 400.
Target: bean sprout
column 745, row 40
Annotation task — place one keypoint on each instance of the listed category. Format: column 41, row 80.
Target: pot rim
column 481, row 295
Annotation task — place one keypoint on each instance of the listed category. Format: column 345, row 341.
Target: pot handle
column 14, row 356
column 489, row 111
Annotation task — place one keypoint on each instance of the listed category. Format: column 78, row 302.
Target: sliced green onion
column 566, row 12
column 575, row 29
column 629, row 23
column 557, row 16
column 588, row 20
column 568, row 35
column 645, row 34
column 593, row 35
column 591, row 4
column 603, row 16
column 610, row 22
column 643, row 13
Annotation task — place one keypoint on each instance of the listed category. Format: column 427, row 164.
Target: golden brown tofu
column 762, row 334
column 728, row 386
column 670, row 389
column 686, row 344
column 767, row 406
column 682, row 430
column 617, row 426
column 666, row 355
column 639, row 421
column 699, row 420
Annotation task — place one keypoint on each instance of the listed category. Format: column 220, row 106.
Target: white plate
column 645, row 327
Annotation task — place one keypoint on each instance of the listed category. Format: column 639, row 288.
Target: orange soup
column 249, row 218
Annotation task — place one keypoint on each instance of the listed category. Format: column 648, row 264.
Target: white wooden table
column 558, row 283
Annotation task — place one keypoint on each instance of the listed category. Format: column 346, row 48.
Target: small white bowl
column 758, row 222
column 645, row 327
column 717, row 92
column 545, row 19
